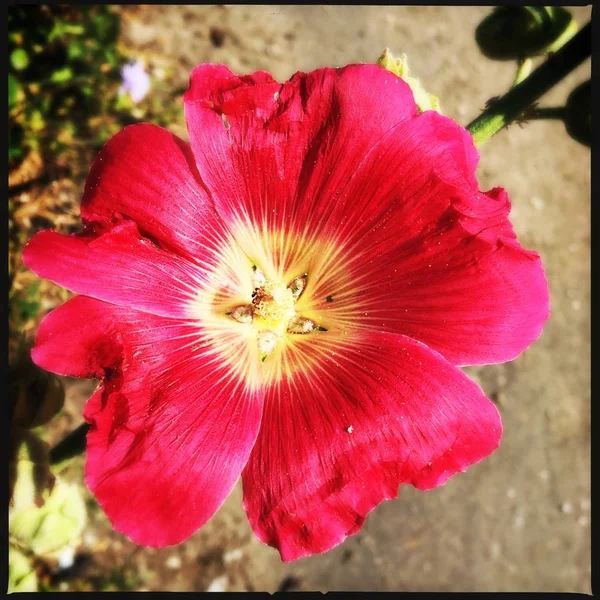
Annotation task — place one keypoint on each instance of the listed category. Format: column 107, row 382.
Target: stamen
column 298, row 285
column 273, row 302
column 258, row 278
column 267, row 340
column 301, row 325
column 242, row 314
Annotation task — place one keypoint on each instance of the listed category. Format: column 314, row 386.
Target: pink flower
column 286, row 298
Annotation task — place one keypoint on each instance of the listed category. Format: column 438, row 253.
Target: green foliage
column 19, row 59
column 44, row 517
column 48, row 72
column 64, row 79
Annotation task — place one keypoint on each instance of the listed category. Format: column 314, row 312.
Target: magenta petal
column 332, row 178
column 462, row 284
column 147, row 174
column 169, row 434
column 118, row 266
column 334, row 445
column 263, row 148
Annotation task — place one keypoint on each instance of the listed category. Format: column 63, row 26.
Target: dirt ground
column 520, row 520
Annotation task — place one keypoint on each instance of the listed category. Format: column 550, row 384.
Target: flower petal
column 339, row 440
column 462, row 284
column 116, row 265
column 258, row 144
column 171, row 428
column 147, row 174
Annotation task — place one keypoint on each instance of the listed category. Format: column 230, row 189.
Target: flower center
column 277, row 302
column 274, row 302
column 273, row 311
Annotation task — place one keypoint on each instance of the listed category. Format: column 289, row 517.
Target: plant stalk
column 509, row 107
column 70, row 446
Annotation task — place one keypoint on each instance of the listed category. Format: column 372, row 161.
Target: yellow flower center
column 274, row 302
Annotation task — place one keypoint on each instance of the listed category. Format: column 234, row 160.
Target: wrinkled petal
column 380, row 411
column 461, row 283
column 263, row 147
column 463, row 286
column 117, row 265
column 147, row 174
column 171, row 428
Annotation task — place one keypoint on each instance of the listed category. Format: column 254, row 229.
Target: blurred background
column 519, row 521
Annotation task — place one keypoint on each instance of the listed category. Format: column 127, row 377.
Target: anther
column 267, row 340
column 298, row 285
column 258, row 278
column 242, row 314
column 301, row 325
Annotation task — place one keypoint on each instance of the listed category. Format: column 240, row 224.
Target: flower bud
column 399, row 66
column 578, row 113
column 517, row 32
column 47, row 526
column 29, row 474
column 21, row 573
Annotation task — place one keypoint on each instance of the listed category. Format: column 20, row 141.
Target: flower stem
column 523, row 70
column 70, row 446
column 510, row 106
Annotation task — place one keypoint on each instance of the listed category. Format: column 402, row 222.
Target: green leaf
column 73, row 29
column 19, row 59
column 13, row 91
column 53, row 526
column 62, row 75
column 75, row 49
column 61, row 28
column 36, row 121
column 14, row 153
column 21, row 574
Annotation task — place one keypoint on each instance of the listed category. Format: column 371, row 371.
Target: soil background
column 518, row 521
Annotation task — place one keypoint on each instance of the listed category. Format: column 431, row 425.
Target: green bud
column 517, row 32
column 578, row 113
column 21, row 574
column 29, row 475
column 399, row 66
column 51, row 527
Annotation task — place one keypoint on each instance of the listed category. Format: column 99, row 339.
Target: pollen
column 274, row 302
column 267, row 340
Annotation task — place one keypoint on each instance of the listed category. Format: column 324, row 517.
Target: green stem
column 70, row 446
column 523, row 70
column 510, row 106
